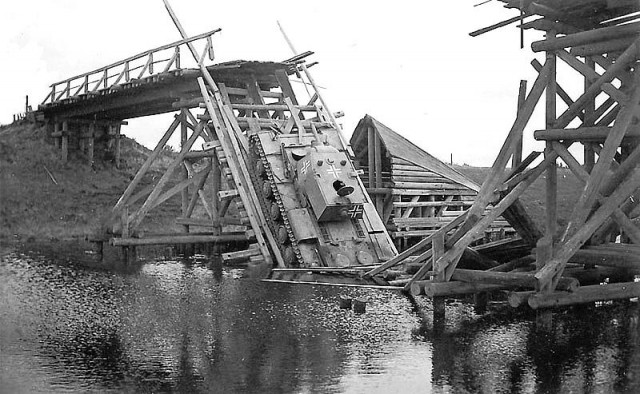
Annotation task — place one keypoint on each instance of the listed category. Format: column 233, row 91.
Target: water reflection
column 191, row 326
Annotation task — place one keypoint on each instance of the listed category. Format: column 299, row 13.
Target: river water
column 189, row 325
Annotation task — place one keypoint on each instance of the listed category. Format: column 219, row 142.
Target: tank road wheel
column 275, row 211
column 267, row 192
column 289, row 256
column 282, row 235
column 260, row 170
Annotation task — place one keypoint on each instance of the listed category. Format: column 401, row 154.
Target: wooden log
column 514, row 264
column 298, row 282
column 586, row 294
column 517, row 299
column 586, row 37
column 592, row 133
column 514, row 279
column 453, row 288
column 178, row 239
column 596, row 275
column 626, row 260
column 240, row 255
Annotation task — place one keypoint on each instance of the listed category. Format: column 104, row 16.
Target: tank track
column 291, row 244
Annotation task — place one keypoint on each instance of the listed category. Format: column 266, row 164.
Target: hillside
column 43, row 198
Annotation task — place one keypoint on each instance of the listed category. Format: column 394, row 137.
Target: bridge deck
column 156, row 94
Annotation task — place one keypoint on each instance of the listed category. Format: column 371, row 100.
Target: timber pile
column 578, row 263
column 415, row 194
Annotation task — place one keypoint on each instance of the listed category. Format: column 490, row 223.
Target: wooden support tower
column 595, row 136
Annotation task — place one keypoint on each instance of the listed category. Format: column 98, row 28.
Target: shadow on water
column 190, row 325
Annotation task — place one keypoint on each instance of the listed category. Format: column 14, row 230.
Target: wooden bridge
column 598, row 39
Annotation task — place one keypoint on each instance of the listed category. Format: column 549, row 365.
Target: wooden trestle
column 567, row 265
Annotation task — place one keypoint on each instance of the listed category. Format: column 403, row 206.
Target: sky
column 411, row 65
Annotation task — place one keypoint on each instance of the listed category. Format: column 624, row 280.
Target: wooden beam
column 586, row 37
column 585, row 202
column 145, row 167
column 630, row 55
column 585, row 294
column 151, row 200
column 546, row 276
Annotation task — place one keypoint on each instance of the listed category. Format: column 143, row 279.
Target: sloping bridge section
column 246, row 184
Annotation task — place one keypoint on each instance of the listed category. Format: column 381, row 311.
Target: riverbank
column 42, row 198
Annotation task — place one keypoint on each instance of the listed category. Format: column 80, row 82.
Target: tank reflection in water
column 190, row 326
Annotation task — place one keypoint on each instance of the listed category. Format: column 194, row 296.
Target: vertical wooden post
column 589, row 109
column 183, row 170
column 65, row 141
column 480, row 302
column 117, row 143
column 552, row 170
column 82, row 140
column 56, row 135
column 124, row 220
column 91, row 136
column 378, row 169
column 517, row 154
column 437, row 245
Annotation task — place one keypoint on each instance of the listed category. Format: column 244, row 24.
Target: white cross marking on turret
column 334, row 171
column 305, row 166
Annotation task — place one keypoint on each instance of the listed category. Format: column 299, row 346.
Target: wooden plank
column 401, row 204
column 408, row 168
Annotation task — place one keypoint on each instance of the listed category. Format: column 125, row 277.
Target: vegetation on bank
column 43, row 198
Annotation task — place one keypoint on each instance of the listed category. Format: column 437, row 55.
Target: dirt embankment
column 45, row 199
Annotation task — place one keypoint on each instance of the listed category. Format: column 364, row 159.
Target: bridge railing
column 152, row 62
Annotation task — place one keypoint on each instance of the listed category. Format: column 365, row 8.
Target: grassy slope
column 569, row 188
column 32, row 205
